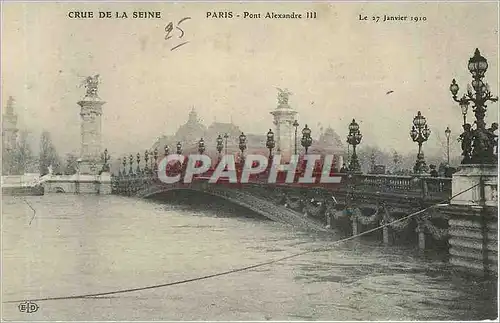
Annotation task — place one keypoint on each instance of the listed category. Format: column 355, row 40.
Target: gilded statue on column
column 283, row 96
column 92, row 84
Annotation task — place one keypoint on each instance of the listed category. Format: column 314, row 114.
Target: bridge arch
column 198, row 198
column 59, row 189
column 256, row 204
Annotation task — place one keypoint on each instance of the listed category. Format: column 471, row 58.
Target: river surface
column 90, row 244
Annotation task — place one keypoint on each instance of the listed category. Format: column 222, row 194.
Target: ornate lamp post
column 225, row 144
column 295, row 124
column 138, row 163
column 477, row 144
column 243, row 144
column 146, row 158
column 124, row 163
column 396, row 159
column 354, row 138
column 201, row 146
column 179, row 148
column 447, row 132
column 373, row 162
column 106, row 158
column 93, row 167
column 167, row 150
column 419, row 133
column 270, row 141
column 131, row 161
column 155, row 156
column 306, row 140
column 220, row 145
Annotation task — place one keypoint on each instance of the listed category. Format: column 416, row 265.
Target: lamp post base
column 420, row 165
column 354, row 164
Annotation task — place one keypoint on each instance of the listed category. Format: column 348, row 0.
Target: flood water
column 90, row 244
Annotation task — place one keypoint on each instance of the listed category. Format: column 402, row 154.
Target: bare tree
column 48, row 155
column 21, row 158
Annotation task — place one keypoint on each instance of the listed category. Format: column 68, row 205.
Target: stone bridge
column 359, row 202
column 465, row 230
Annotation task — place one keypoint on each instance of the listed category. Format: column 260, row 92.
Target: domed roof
column 192, row 130
column 330, row 139
column 221, row 128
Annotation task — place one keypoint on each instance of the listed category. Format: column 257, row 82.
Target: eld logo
column 28, row 307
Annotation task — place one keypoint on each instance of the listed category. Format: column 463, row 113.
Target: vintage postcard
column 249, row 161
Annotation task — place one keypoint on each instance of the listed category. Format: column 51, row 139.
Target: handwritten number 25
column 170, row 27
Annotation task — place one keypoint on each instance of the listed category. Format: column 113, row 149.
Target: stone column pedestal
column 473, row 218
column 484, row 177
column 104, row 181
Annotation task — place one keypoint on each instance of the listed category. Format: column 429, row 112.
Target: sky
column 337, row 67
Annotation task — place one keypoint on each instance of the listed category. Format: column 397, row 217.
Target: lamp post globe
column 477, row 64
column 464, row 107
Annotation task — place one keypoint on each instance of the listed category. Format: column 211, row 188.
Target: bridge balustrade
column 424, row 186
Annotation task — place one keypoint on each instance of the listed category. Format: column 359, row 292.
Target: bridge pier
column 355, row 226
column 422, row 237
column 473, row 219
column 329, row 221
column 388, row 236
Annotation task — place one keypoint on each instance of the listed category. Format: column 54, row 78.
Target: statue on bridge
column 283, row 96
column 466, row 138
column 92, row 84
column 483, row 146
column 493, row 138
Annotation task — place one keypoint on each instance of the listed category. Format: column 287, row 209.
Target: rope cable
column 334, row 243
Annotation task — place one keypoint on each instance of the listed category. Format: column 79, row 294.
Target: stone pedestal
column 78, row 184
column 473, row 218
column 284, row 116
column 90, row 153
column 484, row 176
column 104, row 183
